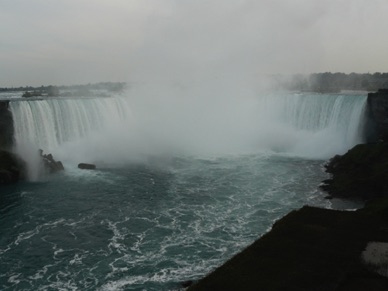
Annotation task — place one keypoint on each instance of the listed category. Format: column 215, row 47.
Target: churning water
column 180, row 186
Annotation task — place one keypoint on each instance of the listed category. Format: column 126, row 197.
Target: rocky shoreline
column 321, row 249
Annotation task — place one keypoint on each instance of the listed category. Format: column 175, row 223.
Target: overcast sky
column 67, row 42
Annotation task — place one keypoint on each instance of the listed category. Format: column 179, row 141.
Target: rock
column 12, row 168
column 86, row 166
column 50, row 164
column 59, row 166
column 376, row 127
column 361, row 173
column 6, row 126
column 8, row 177
column 187, row 284
column 333, row 162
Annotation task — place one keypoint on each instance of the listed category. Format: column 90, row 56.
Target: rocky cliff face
column 361, row 173
column 6, row 126
column 377, row 116
column 12, row 168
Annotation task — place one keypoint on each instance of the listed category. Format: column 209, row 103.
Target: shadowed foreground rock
column 308, row 249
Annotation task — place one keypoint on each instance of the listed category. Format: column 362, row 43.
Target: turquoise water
column 146, row 226
column 182, row 183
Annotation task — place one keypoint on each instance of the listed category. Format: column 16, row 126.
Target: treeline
column 73, row 90
column 331, row 82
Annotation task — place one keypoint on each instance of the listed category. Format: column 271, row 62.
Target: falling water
column 309, row 125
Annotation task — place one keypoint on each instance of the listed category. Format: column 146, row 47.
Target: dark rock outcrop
column 361, row 173
column 6, row 126
column 187, row 284
column 376, row 128
column 12, row 168
column 86, row 166
column 51, row 165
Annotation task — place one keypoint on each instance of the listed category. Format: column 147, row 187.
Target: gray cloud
column 66, row 42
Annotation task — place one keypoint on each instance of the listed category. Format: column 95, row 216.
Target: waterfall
column 66, row 127
column 313, row 125
column 51, row 122
column 110, row 130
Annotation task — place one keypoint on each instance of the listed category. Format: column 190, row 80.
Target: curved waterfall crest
column 310, row 125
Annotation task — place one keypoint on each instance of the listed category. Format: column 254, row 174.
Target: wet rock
column 12, row 168
column 86, row 166
column 6, row 126
column 187, row 284
column 376, row 128
column 333, row 162
column 59, row 166
column 361, row 173
column 50, row 163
